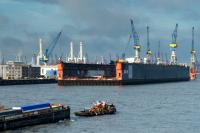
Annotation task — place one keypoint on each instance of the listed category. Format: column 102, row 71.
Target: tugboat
column 99, row 108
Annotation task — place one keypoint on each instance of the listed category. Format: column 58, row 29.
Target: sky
column 103, row 26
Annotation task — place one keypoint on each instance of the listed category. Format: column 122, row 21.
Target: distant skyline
column 103, row 26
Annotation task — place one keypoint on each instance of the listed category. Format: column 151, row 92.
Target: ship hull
column 18, row 120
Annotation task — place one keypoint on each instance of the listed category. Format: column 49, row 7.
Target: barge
column 17, row 117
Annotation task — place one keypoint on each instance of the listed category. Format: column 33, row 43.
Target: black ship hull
column 28, row 119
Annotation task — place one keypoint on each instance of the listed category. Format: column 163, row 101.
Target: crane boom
column 134, row 33
column 192, row 39
column 174, row 37
column 147, row 59
column 174, row 45
column 136, row 45
column 135, row 37
column 148, row 43
column 51, row 47
column 158, row 56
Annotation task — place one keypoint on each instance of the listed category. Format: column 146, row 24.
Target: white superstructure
column 81, row 56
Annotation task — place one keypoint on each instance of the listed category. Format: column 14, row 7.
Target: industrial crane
column 50, row 48
column 193, row 59
column 174, row 37
column 125, row 50
column 148, row 53
column 173, row 45
column 158, row 56
column 136, row 45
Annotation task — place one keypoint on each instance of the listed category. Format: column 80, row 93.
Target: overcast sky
column 103, row 25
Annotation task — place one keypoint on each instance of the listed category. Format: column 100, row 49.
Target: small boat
column 100, row 108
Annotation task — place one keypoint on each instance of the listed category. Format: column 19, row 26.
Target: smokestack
column 71, row 51
column 40, row 43
column 81, row 51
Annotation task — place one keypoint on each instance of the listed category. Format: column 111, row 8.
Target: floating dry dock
column 17, row 117
column 122, row 73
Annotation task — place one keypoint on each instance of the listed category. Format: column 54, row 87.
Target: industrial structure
column 18, row 70
column 71, row 58
column 40, row 56
column 173, row 45
column 193, row 70
column 147, row 59
column 81, row 58
column 136, row 46
column 49, row 71
column 50, row 49
column 81, row 71
column 128, row 71
column 43, row 57
column 158, row 59
column 131, row 70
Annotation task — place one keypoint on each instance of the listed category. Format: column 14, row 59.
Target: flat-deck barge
column 17, row 117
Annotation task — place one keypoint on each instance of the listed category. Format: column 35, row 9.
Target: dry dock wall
column 115, row 82
column 124, row 74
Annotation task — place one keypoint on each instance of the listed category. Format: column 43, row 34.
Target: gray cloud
column 11, row 42
column 10, row 47
column 3, row 20
column 41, row 1
column 105, row 27
column 191, row 15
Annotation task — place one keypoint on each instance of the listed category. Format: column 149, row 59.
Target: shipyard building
column 49, row 71
column 18, row 70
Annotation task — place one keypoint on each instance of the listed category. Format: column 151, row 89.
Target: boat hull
column 87, row 113
column 34, row 118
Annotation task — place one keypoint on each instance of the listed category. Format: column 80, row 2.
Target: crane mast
column 136, row 45
column 193, row 59
column 173, row 46
column 147, row 60
column 158, row 56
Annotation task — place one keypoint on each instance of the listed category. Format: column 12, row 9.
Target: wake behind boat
column 100, row 108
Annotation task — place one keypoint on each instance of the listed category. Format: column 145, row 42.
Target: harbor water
column 152, row 108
